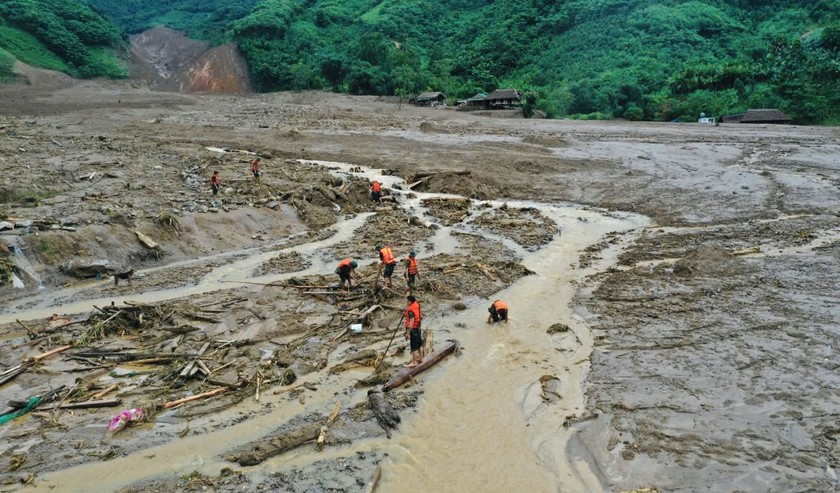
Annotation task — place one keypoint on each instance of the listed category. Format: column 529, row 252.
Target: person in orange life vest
column 412, row 331
column 376, row 191
column 215, row 183
column 498, row 312
column 255, row 168
column 410, row 272
column 346, row 269
column 388, row 260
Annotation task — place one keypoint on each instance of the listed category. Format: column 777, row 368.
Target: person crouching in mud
column 498, row 312
column 412, row 331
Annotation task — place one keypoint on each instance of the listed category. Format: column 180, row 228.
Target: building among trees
column 758, row 116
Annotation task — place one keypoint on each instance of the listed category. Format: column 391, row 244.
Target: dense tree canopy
column 62, row 34
column 639, row 59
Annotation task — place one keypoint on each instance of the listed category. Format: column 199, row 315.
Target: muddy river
column 500, row 406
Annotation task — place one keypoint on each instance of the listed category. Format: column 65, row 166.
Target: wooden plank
column 407, row 374
column 91, row 404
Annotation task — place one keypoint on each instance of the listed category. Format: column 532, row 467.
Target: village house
column 474, row 103
column 758, row 116
column 428, row 99
column 503, row 99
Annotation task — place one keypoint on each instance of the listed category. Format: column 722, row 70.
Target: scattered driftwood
column 365, row 357
column 256, row 452
column 407, row 374
column 11, row 373
column 387, row 418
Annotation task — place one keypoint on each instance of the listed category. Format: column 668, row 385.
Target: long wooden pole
column 385, row 355
column 195, row 397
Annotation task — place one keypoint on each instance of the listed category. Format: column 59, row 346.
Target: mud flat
column 671, row 289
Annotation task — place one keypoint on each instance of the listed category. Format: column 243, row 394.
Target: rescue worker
column 388, row 261
column 410, row 272
column 255, row 169
column 346, row 270
column 412, row 331
column 498, row 312
column 215, row 183
column 376, row 191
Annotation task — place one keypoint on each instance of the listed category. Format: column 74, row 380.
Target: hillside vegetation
column 64, row 35
column 635, row 59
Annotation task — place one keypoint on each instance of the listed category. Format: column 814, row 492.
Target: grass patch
column 7, row 65
column 28, row 49
column 107, row 63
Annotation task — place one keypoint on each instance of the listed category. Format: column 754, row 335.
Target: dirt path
column 695, row 350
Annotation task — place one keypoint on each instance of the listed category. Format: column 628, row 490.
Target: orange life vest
column 500, row 305
column 412, row 266
column 375, row 187
column 345, row 263
column 413, row 323
column 387, row 255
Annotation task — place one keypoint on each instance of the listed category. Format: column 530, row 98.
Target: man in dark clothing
column 389, row 262
column 412, row 331
column 376, row 191
column 215, row 183
column 498, row 312
column 346, row 269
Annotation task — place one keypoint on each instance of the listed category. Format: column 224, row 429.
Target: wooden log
column 102, row 394
column 91, row 404
column 196, row 397
column 50, row 353
column 148, row 242
column 374, row 480
column 256, row 452
column 424, row 174
column 406, row 374
column 385, row 415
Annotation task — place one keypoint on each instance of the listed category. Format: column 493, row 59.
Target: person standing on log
column 376, row 192
column 498, row 312
column 412, row 331
column 389, row 262
column 255, row 169
column 215, row 183
column 411, row 274
column 346, row 270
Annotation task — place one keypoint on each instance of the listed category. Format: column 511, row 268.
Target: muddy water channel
column 492, row 419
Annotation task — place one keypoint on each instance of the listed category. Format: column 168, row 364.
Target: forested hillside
column 65, row 35
column 636, row 59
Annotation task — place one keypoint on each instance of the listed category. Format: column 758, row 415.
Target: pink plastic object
column 122, row 419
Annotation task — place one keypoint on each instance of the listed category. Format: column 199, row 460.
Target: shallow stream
column 482, row 423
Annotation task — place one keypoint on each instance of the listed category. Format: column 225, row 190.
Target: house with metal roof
column 503, row 99
column 428, row 99
column 766, row 115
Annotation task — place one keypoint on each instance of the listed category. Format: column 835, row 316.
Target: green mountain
column 65, row 35
column 635, row 59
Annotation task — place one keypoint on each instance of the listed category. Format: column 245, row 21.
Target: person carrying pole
column 412, row 330
column 346, row 270
column 498, row 312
